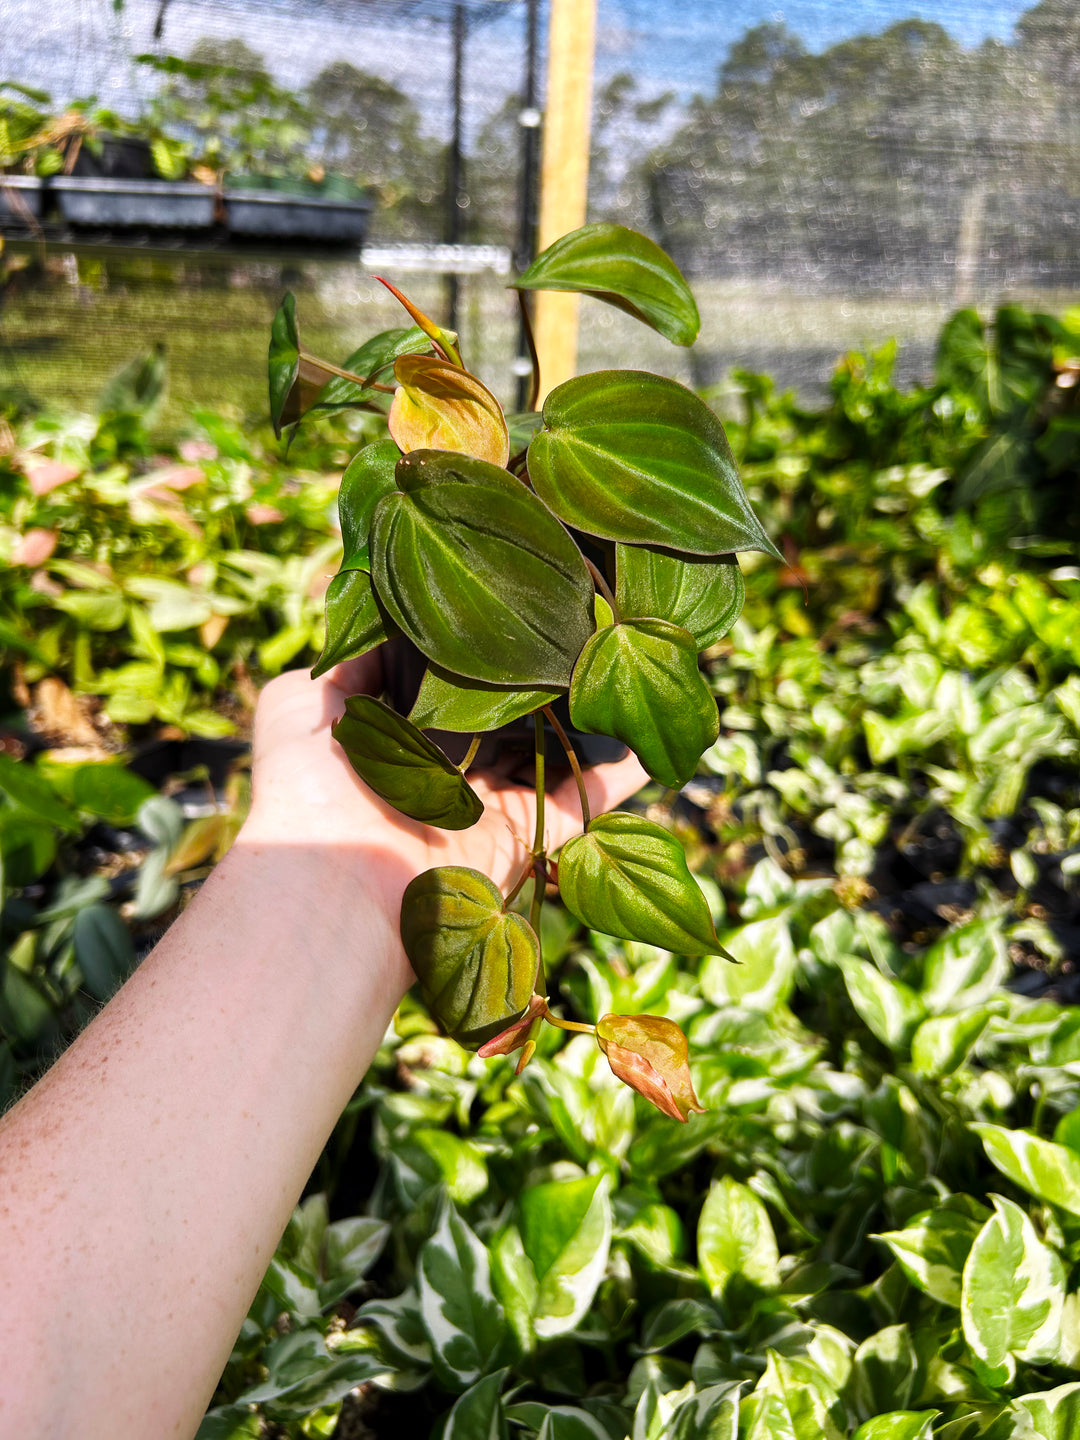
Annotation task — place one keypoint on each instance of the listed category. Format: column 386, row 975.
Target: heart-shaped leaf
column 635, row 457
column 450, row 702
column 369, row 477
column 479, row 574
column 372, row 360
column 476, row 963
column 639, row 682
column 403, row 767
column 627, row 876
column 624, row 268
column 355, row 622
column 702, row 594
column 439, row 406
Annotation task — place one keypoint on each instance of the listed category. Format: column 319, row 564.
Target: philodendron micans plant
column 586, row 551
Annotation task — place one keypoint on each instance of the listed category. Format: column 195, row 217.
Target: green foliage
column 475, row 962
column 624, row 268
column 614, row 440
column 871, row 1230
column 157, row 582
column 478, row 573
column 622, row 685
column 467, row 552
column 627, row 876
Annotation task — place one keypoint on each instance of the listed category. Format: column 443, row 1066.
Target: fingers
column 293, row 703
column 363, row 676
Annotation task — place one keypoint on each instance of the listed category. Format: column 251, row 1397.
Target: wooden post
column 564, row 173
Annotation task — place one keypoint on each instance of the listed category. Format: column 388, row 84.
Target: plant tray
column 271, row 213
column 20, row 195
column 163, row 204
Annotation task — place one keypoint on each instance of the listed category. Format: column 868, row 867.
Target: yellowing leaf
column 439, row 406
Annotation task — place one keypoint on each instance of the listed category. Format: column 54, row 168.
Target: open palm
column 305, row 793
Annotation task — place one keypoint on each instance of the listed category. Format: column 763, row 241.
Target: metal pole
column 529, row 120
column 455, row 179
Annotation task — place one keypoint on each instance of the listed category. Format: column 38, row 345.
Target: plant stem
column 539, row 859
column 603, row 587
column 530, row 340
column 538, row 733
column 470, row 754
column 586, row 813
column 530, row 865
column 568, row 1024
column 345, row 374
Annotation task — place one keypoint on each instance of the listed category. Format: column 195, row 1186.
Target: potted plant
column 330, row 209
column 473, row 535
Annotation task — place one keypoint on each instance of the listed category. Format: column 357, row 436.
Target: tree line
column 892, row 160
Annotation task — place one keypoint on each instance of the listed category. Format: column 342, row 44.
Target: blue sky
column 679, row 43
column 77, row 46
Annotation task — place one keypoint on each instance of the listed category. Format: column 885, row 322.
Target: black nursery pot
column 403, row 670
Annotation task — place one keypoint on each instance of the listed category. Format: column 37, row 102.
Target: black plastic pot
column 115, row 157
column 154, row 204
column 286, row 215
column 403, row 670
column 21, row 196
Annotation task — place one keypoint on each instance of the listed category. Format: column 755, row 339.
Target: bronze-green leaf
column 702, row 594
column 451, row 702
column 476, row 964
column 639, row 682
column 635, row 457
column 479, row 574
column 370, row 476
column 628, row 877
column 402, row 766
column 624, row 268
column 355, row 622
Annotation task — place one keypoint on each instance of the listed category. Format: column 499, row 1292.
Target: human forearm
column 148, row 1178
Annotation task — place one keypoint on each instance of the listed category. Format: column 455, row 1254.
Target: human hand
column 306, row 793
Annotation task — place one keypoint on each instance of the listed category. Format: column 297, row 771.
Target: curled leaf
column 476, row 963
column 639, row 682
column 402, row 765
column 447, row 340
column 651, row 1055
column 439, row 406
column 624, row 268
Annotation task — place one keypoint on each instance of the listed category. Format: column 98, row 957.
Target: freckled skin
column 176, row 1170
